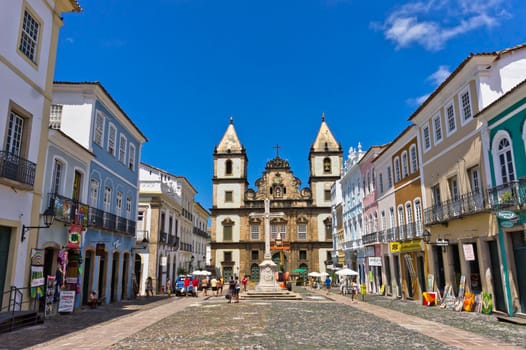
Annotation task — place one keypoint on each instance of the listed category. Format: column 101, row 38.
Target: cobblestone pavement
column 316, row 322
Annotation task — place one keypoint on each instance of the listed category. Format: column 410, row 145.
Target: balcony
column 15, row 168
column 392, row 234
column 509, row 195
column 68, row 210
column 163, row 237
column 467, row 204
column 370, row 238
column 71, row 211
column 186, row 247
column 142, row 236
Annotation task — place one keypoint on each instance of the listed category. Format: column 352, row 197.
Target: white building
column 27, row 62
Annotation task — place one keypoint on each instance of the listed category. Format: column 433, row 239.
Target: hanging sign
column 75, row 232
column 506, row 215
column 375, row 261
column 469, row 254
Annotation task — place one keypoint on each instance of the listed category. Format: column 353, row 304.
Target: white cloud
column 440, row 75
column 417, row 101
column 432, row 23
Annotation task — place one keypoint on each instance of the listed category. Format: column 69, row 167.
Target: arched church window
column 327, row 165
column 228, row 167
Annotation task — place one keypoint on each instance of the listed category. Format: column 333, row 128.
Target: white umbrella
column 323, row 274
column 346, row 272
column 198, row 273
column 314, row 274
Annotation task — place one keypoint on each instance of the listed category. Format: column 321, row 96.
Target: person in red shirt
column 244, row 282
column 195, row 285
column 186, row 284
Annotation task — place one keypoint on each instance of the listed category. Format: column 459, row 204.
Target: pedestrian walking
column 149, row 287
column 231, row 288
column 195, row 286
column 204, row 285
column 354, row 289
column 244, row 282
column 237, row 289
column 328, row 284
column 220, row 284
column 169, row 287
column 213, row 285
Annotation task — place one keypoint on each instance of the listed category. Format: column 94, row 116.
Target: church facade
column 300, row 238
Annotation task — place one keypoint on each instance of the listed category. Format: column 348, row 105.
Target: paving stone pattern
column 309, row 324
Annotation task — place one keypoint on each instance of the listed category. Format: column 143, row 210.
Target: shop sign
column 411, row 246
column 507, row 224
column 394, row 247
column 506, row 215
column 164, row 261
column 469, row 254
column 75, row 232
column 375, row 261
column 66, row 301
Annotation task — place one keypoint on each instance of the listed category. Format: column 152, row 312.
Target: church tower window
column 228, row 167
column 227, row 229
column 327, row 165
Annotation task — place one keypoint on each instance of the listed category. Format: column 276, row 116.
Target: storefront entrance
column 518, row 239
column 5, row 238
column 498, row 292
column 88, row 261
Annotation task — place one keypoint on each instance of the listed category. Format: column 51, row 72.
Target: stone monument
column 267, row 269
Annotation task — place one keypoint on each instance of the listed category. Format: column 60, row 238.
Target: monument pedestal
column 267, row 277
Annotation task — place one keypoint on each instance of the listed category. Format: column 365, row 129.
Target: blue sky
column 181, row 68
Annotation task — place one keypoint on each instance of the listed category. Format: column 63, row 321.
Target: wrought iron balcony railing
column 392, row 234
column 467, row 204
column 508, row 195
column 16, row 168
column 370, row 238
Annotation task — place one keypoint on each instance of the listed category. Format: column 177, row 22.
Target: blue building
column 99, row 202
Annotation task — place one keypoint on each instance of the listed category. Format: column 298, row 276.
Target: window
column 302, row 231
column 450, row 118
column 409, row 212
column 474, row 179
column 55, row 116
column 128, row 207
column 381, row 182
column 112, row 136
column 465, row 101
column 29, row 37
column 505, row 161
column 14, row 134
column 228, row 197
column 303, row 255
column 131, row 157
column 57, row 177
column 327, row 195
column 254, row 232
column 140, row 215
column 327, row 165
column 227, row 256
column 405, row 165
column 99, row 128
column 227, row 232
column 435, row 192
column 391, row 217
column 418, row 214
column 414, row 159
column 437, row 128
column 77, row 184
column 118, row 203
column 280, row 228
column 401, row 220
column 94, row 192
column 389, row 177
column 397, row 169
column 384, row 220
column 107, row 198
column 254, row 255
column 122, row 149
column 427, row 140
column 228, row 167
column 453, row 188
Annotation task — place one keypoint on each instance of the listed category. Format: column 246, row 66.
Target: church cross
column 267, row 215
column 277, row 147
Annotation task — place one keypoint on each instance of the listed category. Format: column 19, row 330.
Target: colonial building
column 28, row 51
column 301, row 237
column 463, row 232
column 103, row 208
column 504, row 140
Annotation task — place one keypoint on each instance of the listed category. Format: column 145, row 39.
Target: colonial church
column 300, row 235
